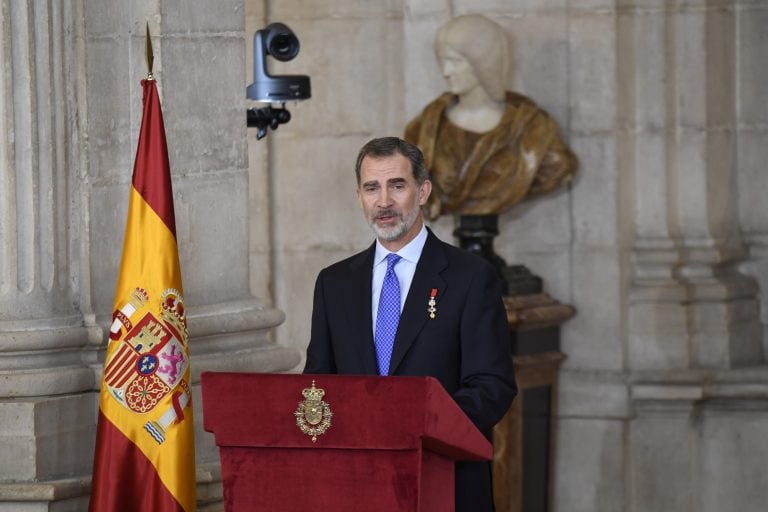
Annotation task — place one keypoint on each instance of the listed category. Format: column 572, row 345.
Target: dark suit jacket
column 465, row 347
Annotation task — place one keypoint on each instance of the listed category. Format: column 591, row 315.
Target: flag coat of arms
column 145, row 458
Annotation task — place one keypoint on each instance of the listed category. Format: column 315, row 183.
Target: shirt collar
column 411, row 252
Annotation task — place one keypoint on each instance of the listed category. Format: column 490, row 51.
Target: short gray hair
column 388, row 146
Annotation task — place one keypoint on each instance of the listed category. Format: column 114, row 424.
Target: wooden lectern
column 388, row 443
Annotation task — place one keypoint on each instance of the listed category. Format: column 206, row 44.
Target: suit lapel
column 427, row 277
column 359, row 308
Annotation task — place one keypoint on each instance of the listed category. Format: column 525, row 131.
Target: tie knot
column 392, row 260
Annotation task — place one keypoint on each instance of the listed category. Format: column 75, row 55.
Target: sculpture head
column 483, row 44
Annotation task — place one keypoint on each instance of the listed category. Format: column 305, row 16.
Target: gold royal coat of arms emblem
column 313, row 416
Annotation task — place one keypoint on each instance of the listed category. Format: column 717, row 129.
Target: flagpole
column 150, row 56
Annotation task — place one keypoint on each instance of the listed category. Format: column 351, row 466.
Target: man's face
column 391, row 200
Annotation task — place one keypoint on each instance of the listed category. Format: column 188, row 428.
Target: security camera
column 281, row 43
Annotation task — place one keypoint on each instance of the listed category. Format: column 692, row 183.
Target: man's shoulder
column 348, row 265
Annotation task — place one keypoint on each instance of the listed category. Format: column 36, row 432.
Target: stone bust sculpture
column 486, row 148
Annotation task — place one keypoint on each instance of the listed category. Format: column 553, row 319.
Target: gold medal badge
column 313, row 416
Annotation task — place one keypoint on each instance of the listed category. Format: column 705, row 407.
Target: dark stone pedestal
column 524, row 440
column 475, row 234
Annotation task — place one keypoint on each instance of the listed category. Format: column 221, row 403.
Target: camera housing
column 281, row 43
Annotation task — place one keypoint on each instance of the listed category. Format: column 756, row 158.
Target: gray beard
column 396, row 231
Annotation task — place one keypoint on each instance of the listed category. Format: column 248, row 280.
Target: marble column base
column 700, row 314
column 44, row 356
column 699, row 440
column 46, row 437
column 72, row 494
column 676, row 440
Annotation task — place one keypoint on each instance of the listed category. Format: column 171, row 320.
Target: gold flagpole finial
column 150, row 56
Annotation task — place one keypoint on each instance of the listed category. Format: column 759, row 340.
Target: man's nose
column 385, row 198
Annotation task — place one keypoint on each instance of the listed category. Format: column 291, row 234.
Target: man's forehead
column 385, row 167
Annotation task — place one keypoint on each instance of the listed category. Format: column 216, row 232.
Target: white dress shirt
column 404, row 269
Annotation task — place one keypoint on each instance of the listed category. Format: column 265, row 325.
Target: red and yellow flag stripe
column 145, row 459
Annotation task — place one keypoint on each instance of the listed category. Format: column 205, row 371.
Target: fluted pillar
column 46, row 420
column 689, row 304
column 692, row 310
column 39, row 252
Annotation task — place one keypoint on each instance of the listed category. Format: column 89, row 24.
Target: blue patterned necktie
column 388, row 315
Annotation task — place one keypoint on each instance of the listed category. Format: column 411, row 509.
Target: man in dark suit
column 413, row 305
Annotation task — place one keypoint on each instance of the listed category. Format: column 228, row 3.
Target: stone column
column 689, row 306
column 657, row 316
column 692, row 313
column 751, row 149
column 657, row 302
column 725, row 328
column 46, row 419
column 70, row 110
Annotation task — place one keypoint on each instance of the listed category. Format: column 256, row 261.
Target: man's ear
column 359, row 197
column 424, row 191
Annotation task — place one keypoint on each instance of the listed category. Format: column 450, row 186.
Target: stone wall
column 659, row 243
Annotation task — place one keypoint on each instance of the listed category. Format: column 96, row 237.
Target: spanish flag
column 145, row 447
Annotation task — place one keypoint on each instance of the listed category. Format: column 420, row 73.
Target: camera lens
column 282, row 45
column 281, row 42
